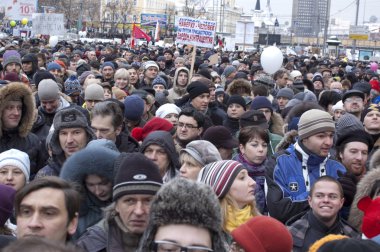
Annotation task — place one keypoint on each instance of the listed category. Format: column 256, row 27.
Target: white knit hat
column 166, row 109
column 18, row 159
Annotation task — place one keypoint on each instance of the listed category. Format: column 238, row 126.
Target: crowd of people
column 104, row 147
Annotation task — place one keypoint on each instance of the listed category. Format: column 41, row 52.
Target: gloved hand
column 348, row 182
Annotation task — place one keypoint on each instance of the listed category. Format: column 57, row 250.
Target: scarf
column 236, row 217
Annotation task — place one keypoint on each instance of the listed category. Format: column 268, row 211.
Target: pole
column 326, row 26
column 79, row 25
column 193, row 61
column 356, row 24
column 245, row 32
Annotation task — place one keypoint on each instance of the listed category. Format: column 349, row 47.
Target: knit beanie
column 350, row 245
column 48, row 90
column 150, row 63
column 285, row 92
column 167, row 109
column 375, row 84
column 295, row 73
column 203, row 151
column 107, row 63
column 156, row 123
column 318, row 77
column 338, row 105
column 7, row 196
column 136, row 175
column 261, row 102
column 347, row 122
column 265, row 80
column 221, row 137
column 42, row 75
column 94, row 92
column 371, row 107
column 236, row 99
column 134, row 108
column 220, row 175
column 53, row 66
column 196, row 88
column 159, row 81
column 228, row 71
column 259, row 233
column 181, row 201
column 83, row 76
column 314, row 121
column 11, row 56
column 18, row 159
column 219, row 90
column 72, row 85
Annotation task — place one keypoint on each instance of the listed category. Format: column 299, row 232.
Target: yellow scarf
column 236, row 217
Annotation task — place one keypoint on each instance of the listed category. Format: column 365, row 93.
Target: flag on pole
column 137, row 33
column 157, row 32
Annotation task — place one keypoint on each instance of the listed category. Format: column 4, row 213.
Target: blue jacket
column 287, row 193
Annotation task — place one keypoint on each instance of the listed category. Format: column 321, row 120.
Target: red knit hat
column 375, row 84
column 156, row 123
column 263, row 234
column 371, row 218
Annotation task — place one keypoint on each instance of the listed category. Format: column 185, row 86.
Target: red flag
column 138, row 33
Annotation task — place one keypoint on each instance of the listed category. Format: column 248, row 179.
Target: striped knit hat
column 314, row 121
column 220, row 175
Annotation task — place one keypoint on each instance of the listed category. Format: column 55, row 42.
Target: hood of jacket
column 176, row 88
column 16, row 91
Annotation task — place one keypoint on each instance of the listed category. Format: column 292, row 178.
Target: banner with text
column 48, row 24
column 17, row 10
column 196, row 32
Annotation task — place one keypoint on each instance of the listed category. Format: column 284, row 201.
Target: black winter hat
column 357, row 135
column 197, row 88
column 236, row 99
column 350, row 245
column 136, row 175
column 42, row 75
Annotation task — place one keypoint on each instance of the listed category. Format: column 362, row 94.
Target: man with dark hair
column 39, row 214
column 325, row 201
column 107, row 122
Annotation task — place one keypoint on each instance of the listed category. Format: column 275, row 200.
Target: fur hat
column 18, row 159
column 11, row 56
column 156, row 123
column 48, row 90
column 134, row 108
column 166, row 109
column 221, row 137
column 314, row 121
column 220, row 175
column 135, row 174
column 94, row 92
column 258, row 234
column 7, row 196
column 70, row 117
column 203, row 151
column 182, row 201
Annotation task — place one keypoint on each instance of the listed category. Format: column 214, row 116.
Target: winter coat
column 20, row 137
column 53, row 167
column 64, row 103
column 40, row 128
column 287, row 193
column 109, row 235
column 177, row 92
column 126, row 143
column 364, row 188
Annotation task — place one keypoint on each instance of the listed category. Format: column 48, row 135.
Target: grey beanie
column 203, row 151
column 229, row 70
column 285, row 92
column 314, row 121
column 182, row 201
column 48, row 90
column 94, row 92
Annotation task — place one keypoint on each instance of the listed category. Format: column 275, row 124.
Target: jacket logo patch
column 293, row 186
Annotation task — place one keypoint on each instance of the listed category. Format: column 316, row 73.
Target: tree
column 194, row 8
column 372, row 19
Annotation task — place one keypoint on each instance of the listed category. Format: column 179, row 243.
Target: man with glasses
column 189, row 127
column 353, row 102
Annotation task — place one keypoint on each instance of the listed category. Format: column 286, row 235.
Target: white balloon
column 271, row 59
column 53, row 41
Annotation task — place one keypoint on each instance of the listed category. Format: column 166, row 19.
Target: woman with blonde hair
column 121, row 78
column 235, row 190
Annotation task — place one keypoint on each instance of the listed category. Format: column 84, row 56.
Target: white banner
column 48, row 24
column 245, row 32
column 196, row 32
column 19, row 9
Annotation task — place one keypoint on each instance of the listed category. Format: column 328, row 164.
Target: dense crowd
column 104, row 147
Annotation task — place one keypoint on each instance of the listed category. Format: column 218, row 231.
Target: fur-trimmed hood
column 15, row 91
column 239, row 87
column 276, row 124
column 288, row 139
column 364, row 188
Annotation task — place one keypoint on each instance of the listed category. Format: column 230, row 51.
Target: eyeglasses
column 166, row 246
column 187, row 126
column 354, row 99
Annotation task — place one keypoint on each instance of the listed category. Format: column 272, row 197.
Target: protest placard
column 17, row 10
column 48, row 24
column 196, row 32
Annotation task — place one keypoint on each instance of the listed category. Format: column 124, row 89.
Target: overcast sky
column 344, row 9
